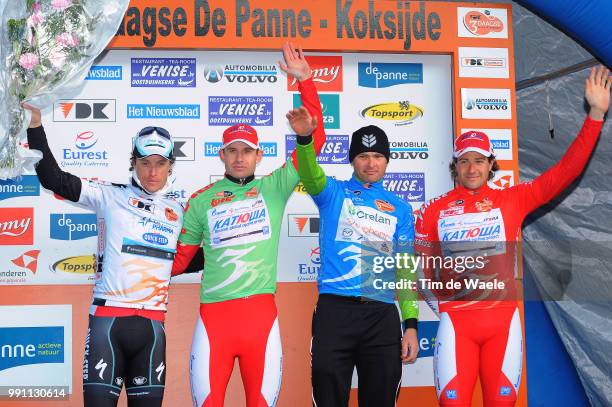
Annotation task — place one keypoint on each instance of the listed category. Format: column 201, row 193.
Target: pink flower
column 36, row 7
column 61, row 4
column 36, row 18
column 67, row 40
column 57, row 58
column 28, row 61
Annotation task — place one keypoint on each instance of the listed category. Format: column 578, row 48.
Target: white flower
column 57, row 58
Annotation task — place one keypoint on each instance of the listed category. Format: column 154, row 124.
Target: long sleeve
column 49, row 173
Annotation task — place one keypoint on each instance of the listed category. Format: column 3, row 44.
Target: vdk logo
column 383, row 75
column 85, row 110
column 73, row 226
column 303, row 225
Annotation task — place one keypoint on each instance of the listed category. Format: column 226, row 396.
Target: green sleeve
column 407, row 298
column 312, row 175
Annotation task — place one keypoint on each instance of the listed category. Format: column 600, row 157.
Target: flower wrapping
column 47, row 48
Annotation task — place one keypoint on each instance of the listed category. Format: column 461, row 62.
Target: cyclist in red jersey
column 480, row 330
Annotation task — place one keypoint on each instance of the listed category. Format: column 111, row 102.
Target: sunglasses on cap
column 153, row 140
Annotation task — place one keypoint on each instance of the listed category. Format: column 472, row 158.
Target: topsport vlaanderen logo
column 402, row 112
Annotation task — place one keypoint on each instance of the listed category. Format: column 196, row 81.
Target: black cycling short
column 349, row 333
column 124, row 350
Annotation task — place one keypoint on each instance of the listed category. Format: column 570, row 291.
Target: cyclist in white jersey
column 138, row 227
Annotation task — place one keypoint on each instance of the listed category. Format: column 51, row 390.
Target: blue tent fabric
column 587, row 22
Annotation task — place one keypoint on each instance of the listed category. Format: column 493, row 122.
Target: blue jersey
column 358, row 223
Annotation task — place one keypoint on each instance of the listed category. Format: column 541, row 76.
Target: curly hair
column 453, row 168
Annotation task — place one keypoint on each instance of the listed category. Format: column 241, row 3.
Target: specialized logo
column 85, row 110
column 26, row 185
column 230, row 110
column 303, row 225
column 241, row 73
column 31, row 346
column 184, row 148
column 86, row 152
column 28, row 260
column 326, row 74
column 335, row 150
column 269, row 149
column 105, row 73
column 330, row 108
column 401, row 113
column 164, row 72
column 482, row 22
column 72, row 226
column 101, row 368
column 160, row 370
column 309, row 271
column 409, row 150
column 143, row 206
column 164, row 111
column 85, row 264
column 17, row 226
column 368, row 140
column 386, row 74
column 486, row 103
column 408, row 186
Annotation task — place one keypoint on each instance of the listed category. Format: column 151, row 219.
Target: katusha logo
column 84, row 153
column 402, row 113
column 85, row 110
column 326, row 74
column 17, row 226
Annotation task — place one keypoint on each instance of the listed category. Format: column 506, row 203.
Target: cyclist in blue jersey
column 356, row 322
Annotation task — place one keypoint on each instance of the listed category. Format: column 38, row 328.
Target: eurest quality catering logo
column 309, row 270
column 86, row 152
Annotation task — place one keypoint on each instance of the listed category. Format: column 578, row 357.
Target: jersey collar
column 240, row 181
column 366, row 185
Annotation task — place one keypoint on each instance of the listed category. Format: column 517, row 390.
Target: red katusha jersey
column 487, row 222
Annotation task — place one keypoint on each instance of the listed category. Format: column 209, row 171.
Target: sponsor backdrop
column 178, row 76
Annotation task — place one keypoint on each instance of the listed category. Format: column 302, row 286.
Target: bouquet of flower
column 47, row 47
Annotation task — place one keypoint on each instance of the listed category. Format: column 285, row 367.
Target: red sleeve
column 552, row 182
column 310, row 100
column 425, row 234
column 184, row 254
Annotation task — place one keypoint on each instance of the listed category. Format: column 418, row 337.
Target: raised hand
column 302, row 123
column 294, row 62
column 35, row 121
column 597, row 92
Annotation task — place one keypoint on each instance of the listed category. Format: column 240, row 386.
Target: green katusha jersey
column 238, row 227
